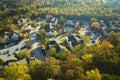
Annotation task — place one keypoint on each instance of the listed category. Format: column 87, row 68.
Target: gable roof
column 48, row 28
column 71, row 38
column 74, row 43
column 52, row 42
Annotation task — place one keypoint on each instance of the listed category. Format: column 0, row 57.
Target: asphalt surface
column 8, row 52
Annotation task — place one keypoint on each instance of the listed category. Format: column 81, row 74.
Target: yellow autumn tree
column 16, row 71
column 93, row 74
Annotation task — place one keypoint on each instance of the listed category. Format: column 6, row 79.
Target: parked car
column 14, row 53
column 7, row 51
column 16, row 49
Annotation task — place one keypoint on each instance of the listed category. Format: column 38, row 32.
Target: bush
column 106, row 77
column 1, row 61
column 110, row 77
column 23, row 54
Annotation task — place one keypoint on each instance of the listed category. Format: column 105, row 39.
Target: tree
column 23, row 54
column 11, row 27
column 69, row 75
column 108, row 57
column 16, row 71
column 79, row 51
column 87, row 61
column 63, row 54
column 106, row 45
column 106, row 77
column 1, row 29
column 85, row 38
column 2, row 79
column 58, row 55
column 72, row 61
column 28, row 47
column 95, row 25
column 2, row 40
column 51, row 51
column 1, row 61
column 61, row 20
column 114, row 38
column 50, row 68
column 79, row 73
column 3, row 7
column 44, row 39
column 41, row 34
column 43, row 70
column 33, row 24
column 43, row 24
column 93, row 20
column 81, row 23
column 34, row 69
column 93, row 75
column 75, row 74
column 110, row 77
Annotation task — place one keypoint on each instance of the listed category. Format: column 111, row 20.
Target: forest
column 11, row 10
column 99, row 62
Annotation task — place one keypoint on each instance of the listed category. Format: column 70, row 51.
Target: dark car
column 14, row 53
column 16, row 49
column 7, row 51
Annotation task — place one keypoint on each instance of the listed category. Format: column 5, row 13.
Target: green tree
column 87, row 61
column 23, row 54
column 93, row 20
column 75, row 74
column 114, row 38
column 72, row 61
column 61, row 20
column 49, row 68
column 43, row 24
column 95, row 25
column 106, row 77
column 1, row 61
column 81, row 23
column 85, row 38
column 34, row 69
column 51, row 51
column 44, row 39
column 34, row 24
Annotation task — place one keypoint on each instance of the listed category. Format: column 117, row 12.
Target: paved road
column 36, row 49
column 13, row 49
